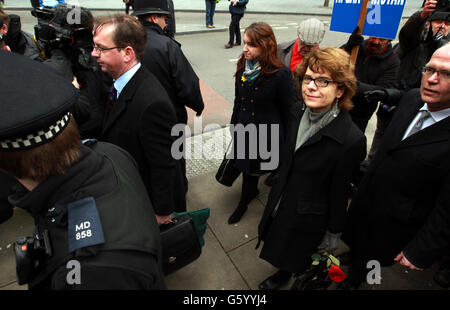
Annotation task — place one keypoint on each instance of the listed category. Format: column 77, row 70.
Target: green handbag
column 199, row 217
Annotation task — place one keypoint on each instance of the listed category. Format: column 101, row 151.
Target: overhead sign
column 383, row 17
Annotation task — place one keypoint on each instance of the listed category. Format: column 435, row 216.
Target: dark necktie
column 418, row 125
column 112, row 98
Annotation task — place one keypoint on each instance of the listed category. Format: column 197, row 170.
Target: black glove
column 390, row 98
column 375, row 95
column 330, row 243
column 355, row 39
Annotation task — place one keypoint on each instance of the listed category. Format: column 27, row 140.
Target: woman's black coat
column 266, row 101
column 313, row 186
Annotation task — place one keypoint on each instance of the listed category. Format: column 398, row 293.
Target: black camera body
column 49, row 33
column 64, row 39
column 442, row 5
column 30, row 253
column 63, row 27
column 53, row 31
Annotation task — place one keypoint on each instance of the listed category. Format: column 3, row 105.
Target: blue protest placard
column 383, row 17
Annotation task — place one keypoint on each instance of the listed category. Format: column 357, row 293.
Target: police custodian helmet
column 144, row 7
column 35, row 103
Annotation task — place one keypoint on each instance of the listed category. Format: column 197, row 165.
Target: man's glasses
column 429, row 71
column 99, row 49
column 319, row 82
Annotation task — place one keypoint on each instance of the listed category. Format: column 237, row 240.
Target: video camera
column 436, row 38
column 30, row 253
column 63, row 27
column 442, row 5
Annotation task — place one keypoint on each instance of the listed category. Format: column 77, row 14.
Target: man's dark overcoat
column 165, row 59
column 141, row 122
column 403, row 201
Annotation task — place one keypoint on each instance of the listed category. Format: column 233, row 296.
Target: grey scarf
column 312, row 122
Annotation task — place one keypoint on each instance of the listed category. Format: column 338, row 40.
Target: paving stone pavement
column 229, row 260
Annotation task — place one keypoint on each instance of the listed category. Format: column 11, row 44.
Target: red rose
column 336, row 274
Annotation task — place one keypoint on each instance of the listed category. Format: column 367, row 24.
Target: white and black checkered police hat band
column 36, row 139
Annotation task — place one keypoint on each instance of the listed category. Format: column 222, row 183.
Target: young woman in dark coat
column 264, row 93
column 306, row 208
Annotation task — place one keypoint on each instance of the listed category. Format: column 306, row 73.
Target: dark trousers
column 210, row 8
column 128, row 5
column 249, row 188
column 127, row 8
column 235, row 29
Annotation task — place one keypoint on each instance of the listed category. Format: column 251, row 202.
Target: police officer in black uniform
column 94, row 224
column 171, row 24
column 165, row 59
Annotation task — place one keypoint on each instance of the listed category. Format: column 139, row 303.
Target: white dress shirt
column 123, row 80
column 435, row 117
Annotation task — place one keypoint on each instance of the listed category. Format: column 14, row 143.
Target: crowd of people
column 99, row 150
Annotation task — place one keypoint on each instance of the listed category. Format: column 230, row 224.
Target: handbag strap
column 228, row 149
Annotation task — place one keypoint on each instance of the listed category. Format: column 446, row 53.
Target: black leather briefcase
column 180, row 243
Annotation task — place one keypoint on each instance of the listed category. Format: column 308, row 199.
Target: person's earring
column 335, row 111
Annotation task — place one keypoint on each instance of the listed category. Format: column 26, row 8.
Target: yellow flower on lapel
column 243, row 78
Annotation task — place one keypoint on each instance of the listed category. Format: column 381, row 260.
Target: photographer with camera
column 424, row 32
column 94, row 224
column 64, row 38
column 19, row 41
